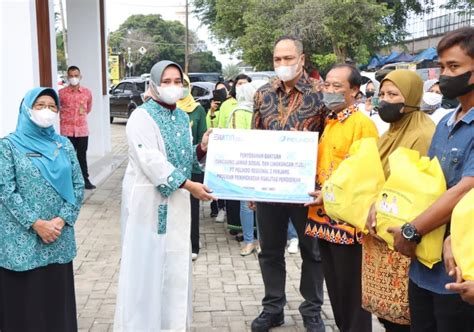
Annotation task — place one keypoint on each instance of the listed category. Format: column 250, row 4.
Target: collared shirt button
column 443, row 158
column 178, row 134
column 183, row 152
column 184, row 169
column 455, row 160
column 173, row 117
column 170, row 179
column 450, row 137
column 162, row 185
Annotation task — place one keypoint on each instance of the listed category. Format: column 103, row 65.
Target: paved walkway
column 227, row 288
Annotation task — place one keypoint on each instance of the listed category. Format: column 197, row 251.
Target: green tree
column 262, row 27
column 163, row 40
column 347, row 28
column 324, row 61
column 355, row 27
column 61, row 58
column 204, row 62
column 230, row 71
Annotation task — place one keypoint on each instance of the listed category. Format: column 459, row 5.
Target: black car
column 202, row 93
column 125, row 97
column 205, row 77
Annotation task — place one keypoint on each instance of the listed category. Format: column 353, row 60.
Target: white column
column 84, row 48
column 19, row 69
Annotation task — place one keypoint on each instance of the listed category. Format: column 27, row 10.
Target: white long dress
column 155, row 292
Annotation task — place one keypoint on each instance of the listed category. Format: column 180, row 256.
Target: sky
column 119, row 10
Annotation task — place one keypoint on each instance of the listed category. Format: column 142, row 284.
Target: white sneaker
column 220, row 216
column 194, row 256
column 293, row 247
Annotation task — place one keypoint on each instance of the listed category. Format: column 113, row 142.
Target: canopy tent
column 428, row 54
column 375, row 62
column 402, row 57
column 388, row 58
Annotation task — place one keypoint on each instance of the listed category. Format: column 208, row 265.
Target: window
column 118, row 89
column 128, row 88
column 140, row 87
column 197, row 91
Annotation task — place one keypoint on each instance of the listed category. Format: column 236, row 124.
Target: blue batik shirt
column 453, row 144
column 25, row 197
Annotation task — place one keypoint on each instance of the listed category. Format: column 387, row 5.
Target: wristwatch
column 410, row 233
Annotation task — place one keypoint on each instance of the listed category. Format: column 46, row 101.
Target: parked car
column 202, row 93
column 260, row 75
column 205, row 77
column 125, row 97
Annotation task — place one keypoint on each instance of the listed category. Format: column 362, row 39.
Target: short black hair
column 242, row 77
column 464, row 37
column 224, row 83
column 233, row 90
column 355, row 78
column 298, row 43
column 71, row 68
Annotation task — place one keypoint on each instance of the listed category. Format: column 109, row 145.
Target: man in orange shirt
column 339, row 245
column 76, row 104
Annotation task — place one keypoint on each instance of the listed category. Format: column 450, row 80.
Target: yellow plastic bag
column 414, row 185
column 462, row 235
column 355, row 184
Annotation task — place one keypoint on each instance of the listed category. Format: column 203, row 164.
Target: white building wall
column 84, row 51
column 19, row 69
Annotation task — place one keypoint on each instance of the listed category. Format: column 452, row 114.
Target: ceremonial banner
column 261, row 165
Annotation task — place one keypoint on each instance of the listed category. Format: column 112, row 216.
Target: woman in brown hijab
column 385, row 272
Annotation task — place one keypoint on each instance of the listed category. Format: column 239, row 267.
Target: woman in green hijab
column 385, row 272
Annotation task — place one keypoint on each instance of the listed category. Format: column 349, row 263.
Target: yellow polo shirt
column 341, row 130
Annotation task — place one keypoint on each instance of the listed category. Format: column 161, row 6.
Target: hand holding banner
column 261, row 165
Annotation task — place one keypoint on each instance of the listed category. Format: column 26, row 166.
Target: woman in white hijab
column 431, row 102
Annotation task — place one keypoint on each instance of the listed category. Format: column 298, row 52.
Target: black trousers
column 233, row 215
column 393, row 327
column 273, row 229
column 195, row 215
column 38, row 300
column 432, row 312
column 80, row 145
column 217, row 205
column 342, row 272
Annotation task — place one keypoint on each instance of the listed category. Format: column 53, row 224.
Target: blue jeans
column 291, row 231
column 247, row 221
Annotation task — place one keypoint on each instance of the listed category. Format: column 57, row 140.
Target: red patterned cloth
column 75, row 105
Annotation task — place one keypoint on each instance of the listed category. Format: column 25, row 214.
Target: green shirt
column 197, row 119
column 226, row 109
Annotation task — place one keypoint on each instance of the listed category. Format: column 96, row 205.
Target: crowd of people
column 43, row 176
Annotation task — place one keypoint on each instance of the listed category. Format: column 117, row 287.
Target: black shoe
column 314, row 324
column 214, row 214
column 266, row 320
column 88, row 185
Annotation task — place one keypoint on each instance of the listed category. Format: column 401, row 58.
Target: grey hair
column 296, row 41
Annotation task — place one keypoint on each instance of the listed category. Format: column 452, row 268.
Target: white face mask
column 287, row 73
column 432, row 98
column 74, row 81
column 170, row 94
column 43, row 118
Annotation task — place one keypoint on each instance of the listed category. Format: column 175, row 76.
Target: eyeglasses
column 39, row 106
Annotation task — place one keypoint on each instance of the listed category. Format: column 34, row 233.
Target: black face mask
column 390, row 112
column 369, row 94
column 455, row 86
